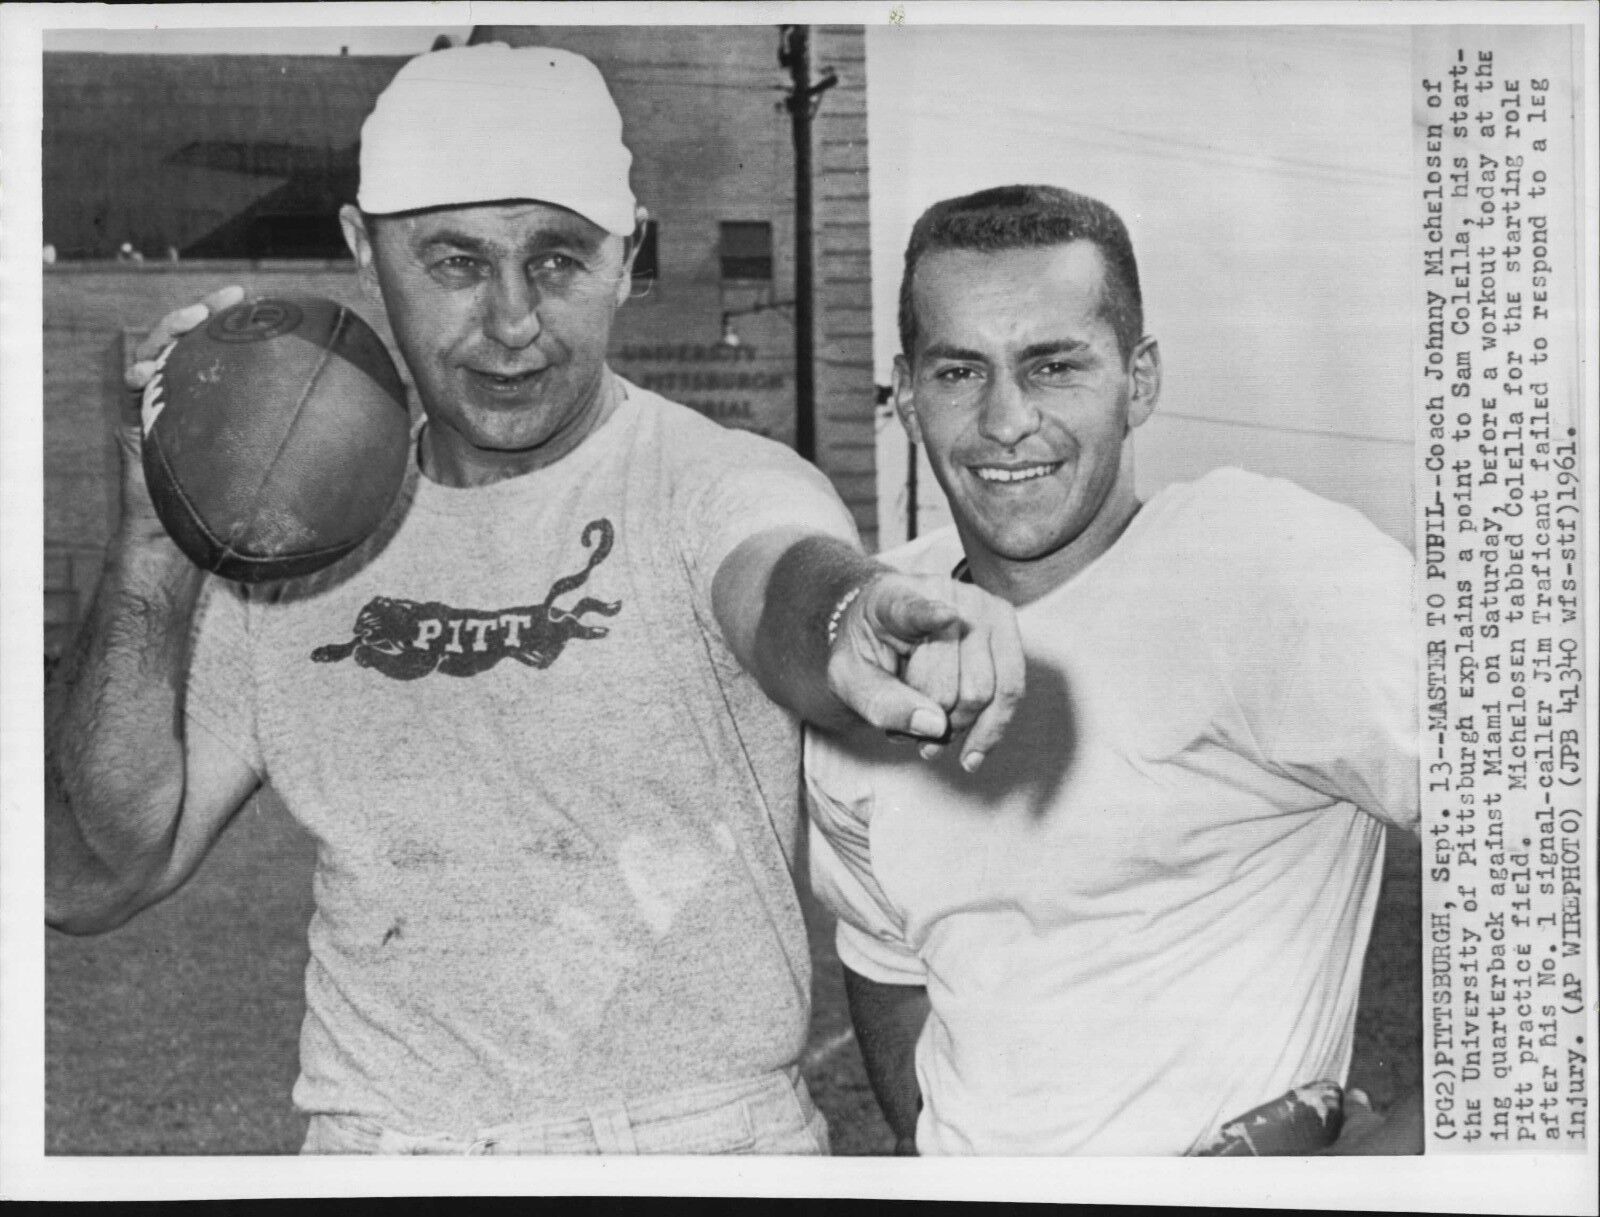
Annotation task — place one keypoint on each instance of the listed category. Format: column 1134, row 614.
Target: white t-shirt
column 554, row 817
column 1147, row 913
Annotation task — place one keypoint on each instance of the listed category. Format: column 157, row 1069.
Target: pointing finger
column 976, row 680
column 1010, row 668
column 907, row 617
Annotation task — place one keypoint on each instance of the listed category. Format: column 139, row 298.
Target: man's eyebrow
column 946, row 350
column 579, row 240
column 582, row 239
column 1056, row 346
column 1034, row 350
column 446, row 236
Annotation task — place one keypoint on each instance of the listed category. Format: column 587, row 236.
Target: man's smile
column 1015, row 473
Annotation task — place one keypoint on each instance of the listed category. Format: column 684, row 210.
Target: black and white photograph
column 749, row 584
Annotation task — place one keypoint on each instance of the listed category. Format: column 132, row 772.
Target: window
column 747, row 250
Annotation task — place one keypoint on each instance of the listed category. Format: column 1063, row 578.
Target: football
column 275, row 437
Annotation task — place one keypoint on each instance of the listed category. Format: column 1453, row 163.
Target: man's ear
column 630, row 251
column 1144, row 367
column 359, row 240
column 904, row 405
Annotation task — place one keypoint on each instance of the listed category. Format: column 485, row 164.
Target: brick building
column 221, row 169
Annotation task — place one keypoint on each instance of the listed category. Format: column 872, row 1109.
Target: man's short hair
column 1030, row 217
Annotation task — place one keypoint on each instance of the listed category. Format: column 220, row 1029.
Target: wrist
column 834, row 625
column 836, row 618
column 142, row 553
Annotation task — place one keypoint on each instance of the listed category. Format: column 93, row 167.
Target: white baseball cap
column 477, row 124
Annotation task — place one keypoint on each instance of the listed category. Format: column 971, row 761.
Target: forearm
column 841, row 640
column 797, row 581
column 114, row 736
column 888, row 1021
column 808, row 583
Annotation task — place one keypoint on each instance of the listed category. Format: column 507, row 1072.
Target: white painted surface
column 1263, row 174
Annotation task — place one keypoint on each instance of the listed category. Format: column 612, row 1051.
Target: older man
column 1146, row 917
column 554, row 908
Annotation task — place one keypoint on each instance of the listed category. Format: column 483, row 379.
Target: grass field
column 178, row 1033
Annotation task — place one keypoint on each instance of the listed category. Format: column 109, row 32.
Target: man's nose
column 512, row 317
column 1008, row 415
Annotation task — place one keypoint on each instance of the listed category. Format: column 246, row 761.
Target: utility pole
column 794, row 53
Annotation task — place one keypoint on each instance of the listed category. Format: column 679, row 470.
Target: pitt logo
column 406, row 639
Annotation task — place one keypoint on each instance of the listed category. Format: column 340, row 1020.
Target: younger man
column 1147, row 914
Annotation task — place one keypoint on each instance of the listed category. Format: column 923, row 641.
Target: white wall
column 1263, row 174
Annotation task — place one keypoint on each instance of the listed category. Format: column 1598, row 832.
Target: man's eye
column 456, row 266
column 1056, row 368
column 954, row 376
column 556, row 264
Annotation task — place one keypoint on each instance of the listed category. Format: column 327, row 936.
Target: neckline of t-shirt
column 425, row 494
column 1116, row 552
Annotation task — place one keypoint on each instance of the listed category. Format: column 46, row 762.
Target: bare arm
column 133, row 801
column 917, row 655
column 888, row 1020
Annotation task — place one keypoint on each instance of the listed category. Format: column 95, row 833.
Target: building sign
column 736, row 386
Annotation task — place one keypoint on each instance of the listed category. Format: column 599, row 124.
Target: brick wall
column 846, row 444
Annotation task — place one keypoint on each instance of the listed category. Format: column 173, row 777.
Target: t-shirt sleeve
column 220, row 695
column 870, row 935
column 880, row 959
column 1343, row 720
column 745, row 486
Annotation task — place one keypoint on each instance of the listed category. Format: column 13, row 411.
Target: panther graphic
column 408, row 639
